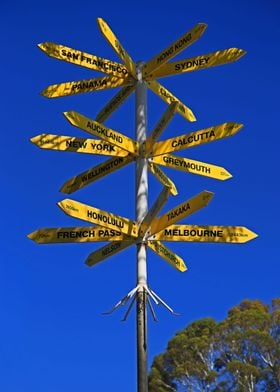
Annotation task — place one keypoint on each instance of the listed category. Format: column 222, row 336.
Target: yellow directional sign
column 167, row 254
column 114, row 103
column 77, row 144
column 172, row 50
column 99, row 217
column 85, row 86
column 107, row 251
column 154, row 210
column 162, row 177
column 168, row 97
column 99, row 130
column 191, row 166
column 117, row 46
column 161, row 125
column 76, row 234
column 196, row 138
column 181, row 211
column 83, row 59
column 199, row 62
column 95, row 173
column 194, row 233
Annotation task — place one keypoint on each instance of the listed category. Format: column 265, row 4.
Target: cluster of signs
column 122, row 232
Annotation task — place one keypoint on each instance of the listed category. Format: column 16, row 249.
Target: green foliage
column 239, row 354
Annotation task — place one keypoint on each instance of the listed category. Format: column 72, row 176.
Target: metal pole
column 141, row 210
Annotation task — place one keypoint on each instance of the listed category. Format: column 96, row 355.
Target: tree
column 238, row 354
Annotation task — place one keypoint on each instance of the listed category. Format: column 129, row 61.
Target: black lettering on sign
column 200, row 62
column 193, row 138
column 75, row 234
column 186, row 165
column 108, row 233
column 104, row 131
column 98, row 63
column 101, row 169
column 105, row 219
column 165, row 54
column 161, row 249
column 178, row 211
column 89, row 85
column 75, row 144
column 109, row 249
column 183, row 41
column 193, row 233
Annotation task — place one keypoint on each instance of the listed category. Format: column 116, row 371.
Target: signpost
column 148, row 230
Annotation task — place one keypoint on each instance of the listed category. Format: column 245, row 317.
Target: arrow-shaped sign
column 162, row 177
column 77, row 144
column 117, row 46
column 195, row 233
column 154, row 210
column 99, row 130
column 168, row 97
column 199, row 62
column 114, row 103
column 83, row 59
column 181, row 211
column 192, row 166
column 196, row 138
column 161, row 250
column 99, row 217
column 161, row 125
column 107, row 251
column 76, row 234
column 175, row 48
column 95, row 173
column 85, row 86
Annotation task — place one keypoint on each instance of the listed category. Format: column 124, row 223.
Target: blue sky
column 53, row 336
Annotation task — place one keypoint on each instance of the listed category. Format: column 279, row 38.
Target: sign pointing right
column 181, row 211
column 195, row 233
column 192, row 166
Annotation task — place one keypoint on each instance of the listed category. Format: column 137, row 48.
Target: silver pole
column 141, row 210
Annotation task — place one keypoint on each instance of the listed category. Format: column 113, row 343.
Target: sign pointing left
column 76, row 234
column 84, row 86
column 77, row 144
column 83, row 59
column 95, row 173
column 107, row 251
column 99, row 217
